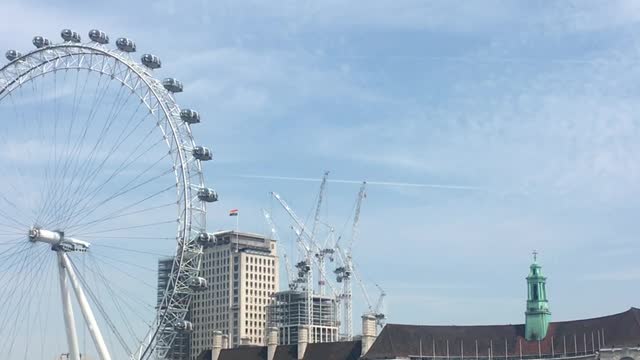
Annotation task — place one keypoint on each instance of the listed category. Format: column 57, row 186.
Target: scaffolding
column 288, row 312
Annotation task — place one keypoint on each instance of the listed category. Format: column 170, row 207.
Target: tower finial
column 535, row 255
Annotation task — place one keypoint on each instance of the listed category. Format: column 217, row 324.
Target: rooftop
column 564, row 338
column 345, row 350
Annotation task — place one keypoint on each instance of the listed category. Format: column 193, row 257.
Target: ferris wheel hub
column 57, row 239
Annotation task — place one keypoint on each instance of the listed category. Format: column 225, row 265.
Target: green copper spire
column 537, row 315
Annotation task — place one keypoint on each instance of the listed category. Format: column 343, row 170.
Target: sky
column 528, row 109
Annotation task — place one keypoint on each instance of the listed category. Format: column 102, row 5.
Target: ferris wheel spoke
column 82, row 194
column 82, row 173
column 154, row 254
column 12, row 224
column 72, row 155
column 77, row 100
column 34, row 311
column 26, row 282
column 85, row 205
column 72, row 161
column 83, row 202
column 102, row 285
column 117, row 266
column 93, row 208
column 124, row 306
column 133, row 297
column 18, row 248
column 10, row 242
column 102, row 231
column 95, row 299
column 118, row 214
column 14, row 207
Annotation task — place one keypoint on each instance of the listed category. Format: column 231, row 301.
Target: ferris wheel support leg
column 69, row 321
column 89, row 318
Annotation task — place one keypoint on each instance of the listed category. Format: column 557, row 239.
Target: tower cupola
column 537, row 314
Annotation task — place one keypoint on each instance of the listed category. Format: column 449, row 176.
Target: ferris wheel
column 99, row 176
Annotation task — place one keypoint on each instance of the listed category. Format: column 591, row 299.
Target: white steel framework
column 157, row 98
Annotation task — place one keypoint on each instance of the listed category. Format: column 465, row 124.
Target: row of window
column 260, row 269
column 260, row 260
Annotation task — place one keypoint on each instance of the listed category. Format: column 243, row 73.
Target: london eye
column 100, row 175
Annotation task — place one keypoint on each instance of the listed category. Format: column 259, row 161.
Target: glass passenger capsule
column 70, row 36
column 198, row 283
column 202, row 153
column 172, row 85
column 12, row 55
column 206, row 239
column 183, row 325
column 99, row 36
column 151, row 61
column 190, row 116
column 208, row 195
column 41, row 42
column 126, row 45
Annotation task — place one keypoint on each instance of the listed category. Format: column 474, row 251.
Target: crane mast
column 345, row 272
column 305, row 273
column 322, row 251
column 274, row 235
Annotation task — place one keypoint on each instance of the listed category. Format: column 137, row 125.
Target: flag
column 233, row 212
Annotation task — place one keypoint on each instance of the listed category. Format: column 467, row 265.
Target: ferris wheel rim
column 166, row 102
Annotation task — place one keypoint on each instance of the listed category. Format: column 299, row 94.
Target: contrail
column 382, row 183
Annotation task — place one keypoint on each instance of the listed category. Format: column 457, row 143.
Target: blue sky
column 533, row 102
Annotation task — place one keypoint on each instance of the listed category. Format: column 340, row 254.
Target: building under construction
column 288, row 312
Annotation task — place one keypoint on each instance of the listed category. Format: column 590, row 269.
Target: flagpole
column 237, row 229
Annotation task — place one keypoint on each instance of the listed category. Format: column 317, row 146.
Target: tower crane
column 305, row 274
column 274, row 235
column 322, row 251
column 378, row 311
column 308, row 246
column 346, row 271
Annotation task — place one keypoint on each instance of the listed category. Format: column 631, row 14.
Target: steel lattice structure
column 191, row 193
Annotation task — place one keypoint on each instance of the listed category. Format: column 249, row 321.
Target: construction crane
column 378, row 311
column 374, row 310
column 322, row 251
column 293, row 285
column 309, row 248
column 346, row 271
column 305, row 274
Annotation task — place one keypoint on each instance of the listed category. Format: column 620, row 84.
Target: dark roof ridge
column 636, row 314
column 450, row 326
column 630, row 310
column 635, row 311
column 329, row 343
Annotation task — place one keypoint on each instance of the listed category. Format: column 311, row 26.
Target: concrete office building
column 241, row 270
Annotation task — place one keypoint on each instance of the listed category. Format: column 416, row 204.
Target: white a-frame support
column 89, row 318
column 69, row 321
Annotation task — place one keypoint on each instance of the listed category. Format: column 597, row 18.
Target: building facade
column 241, row 270
column 288, row 312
